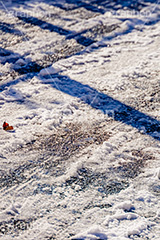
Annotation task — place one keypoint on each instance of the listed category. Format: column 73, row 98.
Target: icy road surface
column 80, row 83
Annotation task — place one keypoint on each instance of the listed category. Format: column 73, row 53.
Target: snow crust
column 124, row 65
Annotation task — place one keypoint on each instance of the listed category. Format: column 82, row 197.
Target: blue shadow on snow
column 53, row 28
column 9, row 28
column 11, row 57
column 108, row 105
column 97, row 100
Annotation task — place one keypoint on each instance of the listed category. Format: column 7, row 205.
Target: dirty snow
column 80, row 85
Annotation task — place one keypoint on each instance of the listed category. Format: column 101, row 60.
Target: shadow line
column 9, row 28
column 12, row 57
column 101, row 6
column 97, row 100
column 53, row 28
column 97, row 6
column 108, row 105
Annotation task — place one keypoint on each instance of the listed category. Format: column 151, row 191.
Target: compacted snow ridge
column 80, row 84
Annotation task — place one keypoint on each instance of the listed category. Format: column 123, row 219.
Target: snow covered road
column 80, row 83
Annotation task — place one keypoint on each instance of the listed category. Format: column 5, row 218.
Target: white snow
column 51, row 194
column 48, row 71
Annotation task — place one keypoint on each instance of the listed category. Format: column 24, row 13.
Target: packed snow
column 80, row 84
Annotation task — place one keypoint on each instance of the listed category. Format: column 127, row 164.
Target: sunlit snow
column 80, row 84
